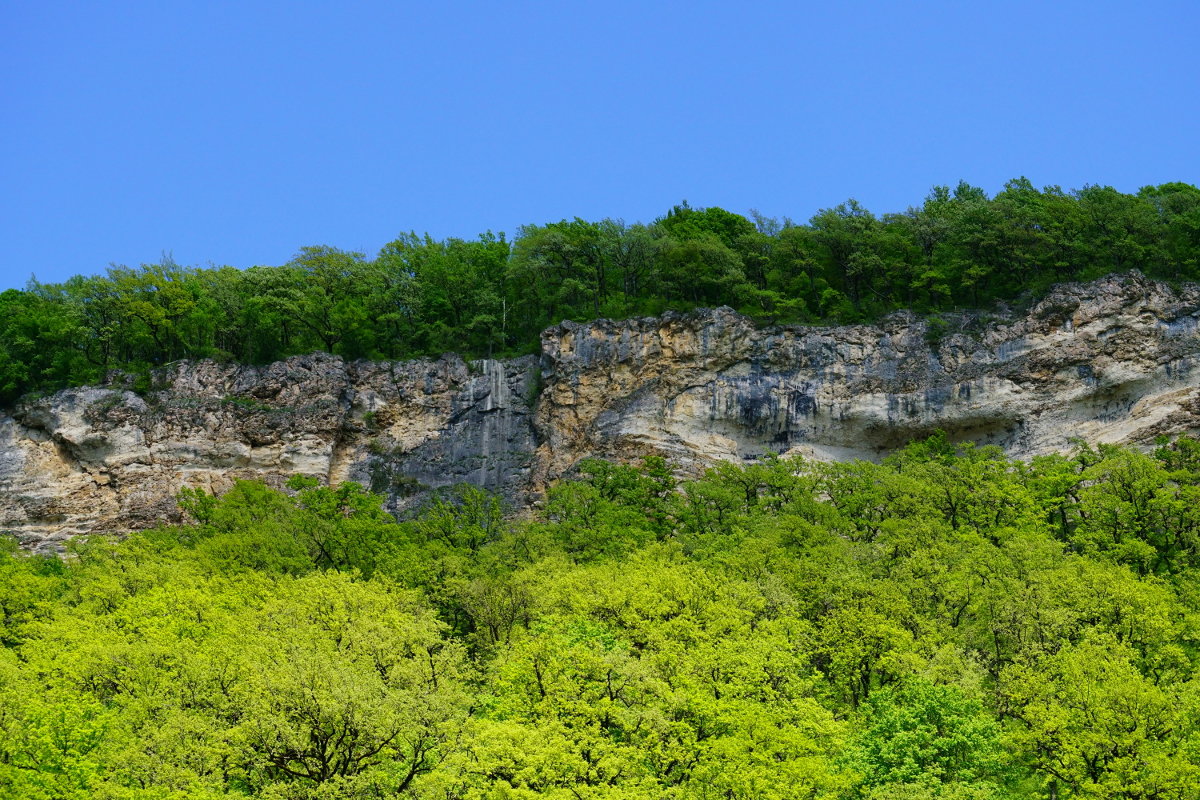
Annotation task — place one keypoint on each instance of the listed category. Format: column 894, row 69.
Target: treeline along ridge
column 490, row 296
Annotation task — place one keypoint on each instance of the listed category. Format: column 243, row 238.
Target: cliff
column 107, row 459
column 1110, row 361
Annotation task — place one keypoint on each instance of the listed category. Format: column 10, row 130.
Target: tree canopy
column 492, row 296
column 948, row 624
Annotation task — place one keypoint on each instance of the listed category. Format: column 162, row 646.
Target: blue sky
column 235, row 133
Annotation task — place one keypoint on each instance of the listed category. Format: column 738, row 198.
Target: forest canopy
column 950, row 624
column 491, row 296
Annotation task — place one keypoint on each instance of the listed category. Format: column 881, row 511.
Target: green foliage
column 928, row 735
column 947, row 624
column 489, row 296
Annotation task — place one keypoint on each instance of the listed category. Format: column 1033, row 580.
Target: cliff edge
column 1115, row 360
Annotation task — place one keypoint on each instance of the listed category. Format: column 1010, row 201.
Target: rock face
column 105, row 459
column 1117, row 360
column 1110, row 361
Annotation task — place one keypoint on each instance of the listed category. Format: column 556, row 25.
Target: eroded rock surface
column 105, row 459
column 1111, row 361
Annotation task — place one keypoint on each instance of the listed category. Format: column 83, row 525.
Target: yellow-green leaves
column 947, row 625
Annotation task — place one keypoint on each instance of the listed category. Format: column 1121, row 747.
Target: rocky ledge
column 1114, row 360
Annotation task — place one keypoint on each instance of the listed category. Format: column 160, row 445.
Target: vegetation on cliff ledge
column 491, row 296
column 949, row 624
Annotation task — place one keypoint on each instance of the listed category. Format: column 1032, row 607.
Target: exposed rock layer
column 1117, row 360
column 106, row 459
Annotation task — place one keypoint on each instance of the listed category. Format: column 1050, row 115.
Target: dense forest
column 949, row 624
column 492, row 296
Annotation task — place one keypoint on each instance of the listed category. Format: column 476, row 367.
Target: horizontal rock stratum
column 1115, row 360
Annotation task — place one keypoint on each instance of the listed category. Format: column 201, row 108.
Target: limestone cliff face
column 106, row 459
column 1116, row 360
column 1110, row 361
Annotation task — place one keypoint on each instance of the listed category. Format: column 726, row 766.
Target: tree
column 1095, row 727
column 316, row 294
column 561, row 270
column 928, row 735
column 446, row 296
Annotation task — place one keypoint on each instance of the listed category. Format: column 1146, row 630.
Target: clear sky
column 237, row 132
